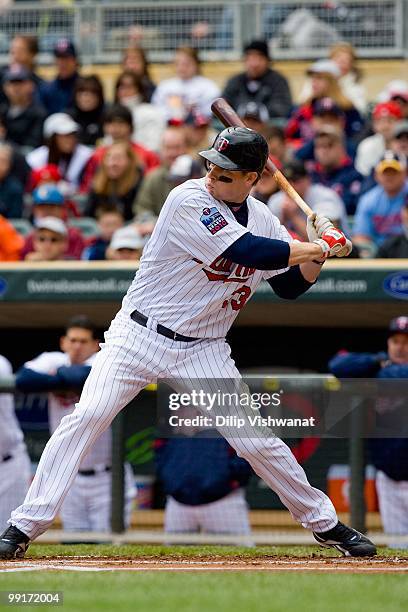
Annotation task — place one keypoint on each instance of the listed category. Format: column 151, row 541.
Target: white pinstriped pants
column 226, row 515
column 15, row 475
column 132, row 357
column 88, row 503
column 393, row 501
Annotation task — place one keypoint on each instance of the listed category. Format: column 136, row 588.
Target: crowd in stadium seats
column 83, row 177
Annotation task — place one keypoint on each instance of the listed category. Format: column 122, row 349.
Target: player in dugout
column 211, row 247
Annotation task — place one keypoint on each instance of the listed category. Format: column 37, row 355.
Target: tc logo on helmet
column 221, row 144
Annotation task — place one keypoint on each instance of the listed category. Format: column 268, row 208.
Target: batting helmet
column 238, row 148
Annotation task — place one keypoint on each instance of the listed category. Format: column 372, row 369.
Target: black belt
column 140, row 318
column 94, row 472
column 6, row 458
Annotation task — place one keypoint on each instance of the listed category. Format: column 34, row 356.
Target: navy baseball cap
column 65, row 48
column 253, row 110
column 327, row 106
column 17, row 73
column 399, row 325
column 295, row 170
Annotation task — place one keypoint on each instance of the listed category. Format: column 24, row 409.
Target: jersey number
column 238, row 298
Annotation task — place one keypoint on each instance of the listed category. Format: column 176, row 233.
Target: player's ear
column 252, row 178
column 63, row 343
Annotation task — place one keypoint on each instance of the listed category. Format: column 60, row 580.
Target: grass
column 209, row 592
column 239, row 592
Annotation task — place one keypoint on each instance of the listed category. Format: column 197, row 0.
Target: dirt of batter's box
column 213, row 563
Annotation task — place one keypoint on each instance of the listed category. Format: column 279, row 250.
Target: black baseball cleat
column 350, row 542
column 13, row 543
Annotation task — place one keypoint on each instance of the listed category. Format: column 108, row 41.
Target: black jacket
column 91, row 124
column 25, row 129
column 271, row 89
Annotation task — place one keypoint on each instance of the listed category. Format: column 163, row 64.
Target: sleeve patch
column 213, row 220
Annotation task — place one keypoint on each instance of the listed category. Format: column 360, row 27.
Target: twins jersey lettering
column 183, row 281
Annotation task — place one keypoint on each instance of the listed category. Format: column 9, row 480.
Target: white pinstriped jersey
column 204, row 292
column 11, row 436
column 59, row 406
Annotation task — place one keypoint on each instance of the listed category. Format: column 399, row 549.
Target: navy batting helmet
column 238, row 148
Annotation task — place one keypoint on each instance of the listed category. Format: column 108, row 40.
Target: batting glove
column 334, row 243
column 316, row 225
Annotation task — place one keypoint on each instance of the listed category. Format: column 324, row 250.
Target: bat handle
column 287, row 187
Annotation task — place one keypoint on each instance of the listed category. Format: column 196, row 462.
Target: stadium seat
column 87, row 225
column 23, row 226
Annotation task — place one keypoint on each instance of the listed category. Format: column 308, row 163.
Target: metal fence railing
column 295, row 29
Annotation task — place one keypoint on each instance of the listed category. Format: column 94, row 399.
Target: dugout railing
column 294, row 29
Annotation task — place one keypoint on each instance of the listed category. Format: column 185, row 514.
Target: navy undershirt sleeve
column 290, row 284
column 259, row 253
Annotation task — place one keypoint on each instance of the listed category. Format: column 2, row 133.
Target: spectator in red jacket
column 117, row 126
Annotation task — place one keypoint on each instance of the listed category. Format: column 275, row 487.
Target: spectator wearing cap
column 259, row 83
column 389, row 455
column 334, row 168
column 156, row 185
column 23, row 51
column 198, row 132
column 50, row 240
column 189, row 89
column 324, row 75
column 21, row 116
column 322, row 200
column 62, row 149
column 149, row 120
column 326, row 112
column 58, row 94
column 48, row 201
column 11, row 242
column 88, row 109
column 396, row 247
column 396, row 91
column 117, row 180
column 255, row 116
column 378, row 214
column 109, row 220
column 370, row 150
column 117, row 127
column 399, row 142
column 11, row 188
column 126, row 244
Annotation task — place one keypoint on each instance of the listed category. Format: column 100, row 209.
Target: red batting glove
column 334, row 242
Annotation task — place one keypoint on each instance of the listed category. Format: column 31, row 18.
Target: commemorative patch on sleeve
column 213, row 220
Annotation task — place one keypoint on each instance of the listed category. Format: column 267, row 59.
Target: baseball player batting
column 211, row 247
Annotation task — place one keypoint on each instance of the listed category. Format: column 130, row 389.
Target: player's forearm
column 303, row 252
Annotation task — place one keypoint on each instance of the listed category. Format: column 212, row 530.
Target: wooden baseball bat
column 229, row 118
